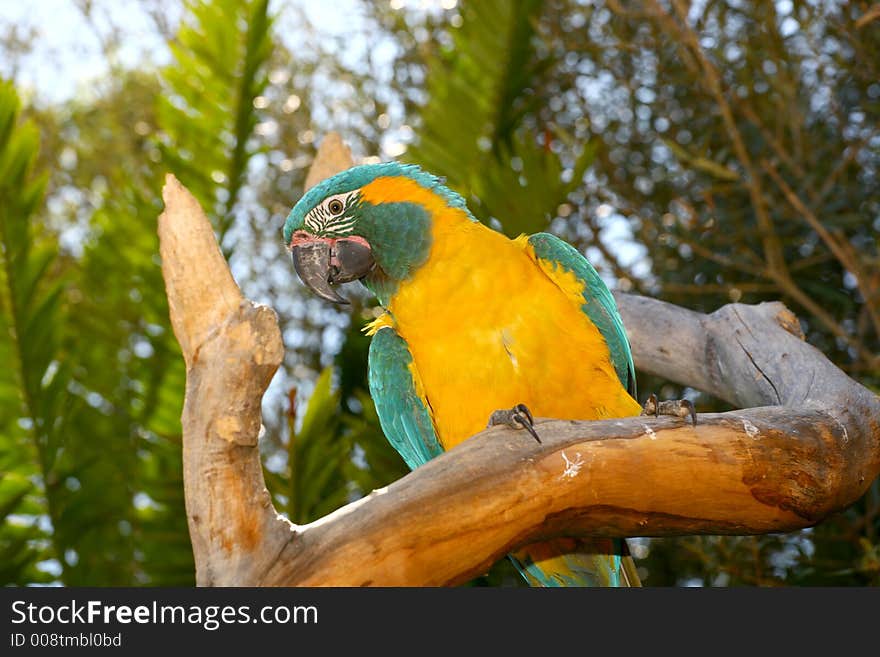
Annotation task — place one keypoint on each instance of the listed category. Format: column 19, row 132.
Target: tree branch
column 811, row 447
column 232, row 347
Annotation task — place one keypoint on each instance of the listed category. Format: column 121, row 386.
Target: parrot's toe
column 682, row 408
column 518, row 417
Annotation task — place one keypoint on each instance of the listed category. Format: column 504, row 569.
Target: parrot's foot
column 518, row 417
column 675, row 407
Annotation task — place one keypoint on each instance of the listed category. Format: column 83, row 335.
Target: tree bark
column 805, row 445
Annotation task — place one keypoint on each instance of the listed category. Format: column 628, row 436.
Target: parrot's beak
column 322, row 262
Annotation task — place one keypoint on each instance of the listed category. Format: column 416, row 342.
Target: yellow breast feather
column 489, row 327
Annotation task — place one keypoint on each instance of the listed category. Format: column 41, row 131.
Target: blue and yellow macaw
column 474, row 322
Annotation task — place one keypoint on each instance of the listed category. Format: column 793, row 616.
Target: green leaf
column 473, row 128
column 31, row 307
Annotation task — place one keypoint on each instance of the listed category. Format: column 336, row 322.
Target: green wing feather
column 599, row 304
column 404, row 414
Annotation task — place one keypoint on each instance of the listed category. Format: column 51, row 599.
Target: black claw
column 522, row 408
column 526, row 423
column 518, row 417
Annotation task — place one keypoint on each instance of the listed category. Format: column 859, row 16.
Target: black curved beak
column 322, row 263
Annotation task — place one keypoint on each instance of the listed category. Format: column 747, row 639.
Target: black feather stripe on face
column 321, row 222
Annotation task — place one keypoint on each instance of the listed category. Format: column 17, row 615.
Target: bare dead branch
column 232, row 347
column 333, row 156
column 810, row 448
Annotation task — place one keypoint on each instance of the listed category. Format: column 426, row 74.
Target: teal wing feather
column 578, row 562
column 404, row 414
column 599, row 304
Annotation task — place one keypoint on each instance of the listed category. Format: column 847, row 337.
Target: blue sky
column 67, row 53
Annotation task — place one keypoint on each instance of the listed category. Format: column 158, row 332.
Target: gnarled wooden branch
column 807, row 445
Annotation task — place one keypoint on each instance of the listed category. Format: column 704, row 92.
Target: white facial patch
column 333, row 216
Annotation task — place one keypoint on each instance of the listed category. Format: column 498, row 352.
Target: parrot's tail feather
column 577, row 562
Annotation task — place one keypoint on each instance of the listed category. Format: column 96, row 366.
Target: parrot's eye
column 335, row 206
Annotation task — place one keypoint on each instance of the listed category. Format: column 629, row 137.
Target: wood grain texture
column 765, row 470
column 805, row 445
column 232, row 348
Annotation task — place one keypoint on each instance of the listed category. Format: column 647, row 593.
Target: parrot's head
column 371, row 223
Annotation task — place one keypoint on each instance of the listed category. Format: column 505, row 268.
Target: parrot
column 475, row 329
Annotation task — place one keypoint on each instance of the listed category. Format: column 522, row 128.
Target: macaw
column 474, row 324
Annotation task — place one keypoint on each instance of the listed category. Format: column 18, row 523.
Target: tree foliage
column 479, row 90
column 31, row 311
column 115, row 499
column 700, row 153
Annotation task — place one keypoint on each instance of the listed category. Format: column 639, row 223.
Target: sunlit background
column 666, row 141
